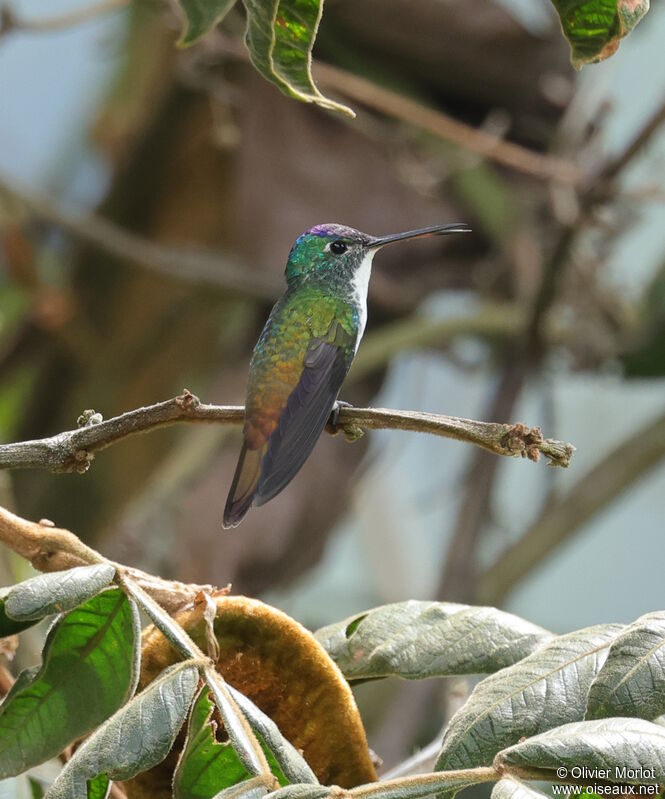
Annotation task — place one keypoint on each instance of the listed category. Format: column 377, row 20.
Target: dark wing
column 244, row 485
column 262, row 473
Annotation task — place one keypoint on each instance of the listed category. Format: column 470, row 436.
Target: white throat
column 360, row 285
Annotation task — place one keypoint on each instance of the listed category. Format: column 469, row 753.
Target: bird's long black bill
column 436, row 230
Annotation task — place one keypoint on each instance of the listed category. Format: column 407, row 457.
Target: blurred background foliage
column 552, row 313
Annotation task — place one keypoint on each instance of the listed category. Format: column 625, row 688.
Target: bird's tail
column 244, row 485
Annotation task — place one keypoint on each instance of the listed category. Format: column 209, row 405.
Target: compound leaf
column 546, row 689
column 136, row 738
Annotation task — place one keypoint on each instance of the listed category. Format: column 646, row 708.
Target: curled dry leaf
column 280, row 666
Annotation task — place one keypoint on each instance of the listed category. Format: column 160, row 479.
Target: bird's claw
column 351, row 432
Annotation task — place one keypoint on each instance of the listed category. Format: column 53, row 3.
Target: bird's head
column 343, row 250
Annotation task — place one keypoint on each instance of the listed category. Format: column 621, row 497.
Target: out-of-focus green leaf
column 90, row 668
column 136, row 738
column 629, row 750
column 202, row 16
column 595, row 27
column 36, row 788
column 426, row 639
column 280, row 37
column 632, row 681
column 206, row 765
column 57, row 592
column 545, row 690
column 509, row 788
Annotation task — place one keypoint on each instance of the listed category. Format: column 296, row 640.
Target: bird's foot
column 351, row 431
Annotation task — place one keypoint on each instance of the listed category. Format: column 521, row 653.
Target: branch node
column 88, row 418
column 82, row 460
column 352, row 430
column 187, row 400
column 519, row 439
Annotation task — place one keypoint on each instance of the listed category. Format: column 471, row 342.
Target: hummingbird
column 303, row 355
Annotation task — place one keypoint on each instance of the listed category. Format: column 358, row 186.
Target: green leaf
column 98, row 787
column 136, row 738
column 426, row 639
column 280, row 37
column 510, row 788
column 546, row 689
column 90, row 668
column 10, row 626
column 202, row 16
column 57, row 592
column 291, row 763
column 241, row 735
column 632, row 681
column 627, row 750
column 595, row 27
column 206, row 766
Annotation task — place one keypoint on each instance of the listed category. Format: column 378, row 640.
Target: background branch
column 193, row 266
column 526, row 354
column 562, row 518
column 414, row 113
column 474, row 140
column 73, row 450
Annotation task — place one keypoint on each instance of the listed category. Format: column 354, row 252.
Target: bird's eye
column 338, row 247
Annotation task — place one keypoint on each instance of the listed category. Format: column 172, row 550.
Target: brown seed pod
column 282, row 668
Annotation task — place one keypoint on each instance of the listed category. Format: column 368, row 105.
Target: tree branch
column 52, row 549
column 193, row 266
column 414, row 113
column 460, row 577
column 474, row 140
column 561, row 519
column 74, row 450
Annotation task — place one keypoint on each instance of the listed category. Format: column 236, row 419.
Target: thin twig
column 460, row 577
column 616, row 165
column 193, row 266
column 442, row 126
column 51, row 549
column 429, row 119
column 417, row 332
column 10, row 21
column 423, row 760
column 74, row 450
column 436, row 782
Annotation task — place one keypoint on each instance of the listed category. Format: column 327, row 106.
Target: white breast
column 360, row 289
